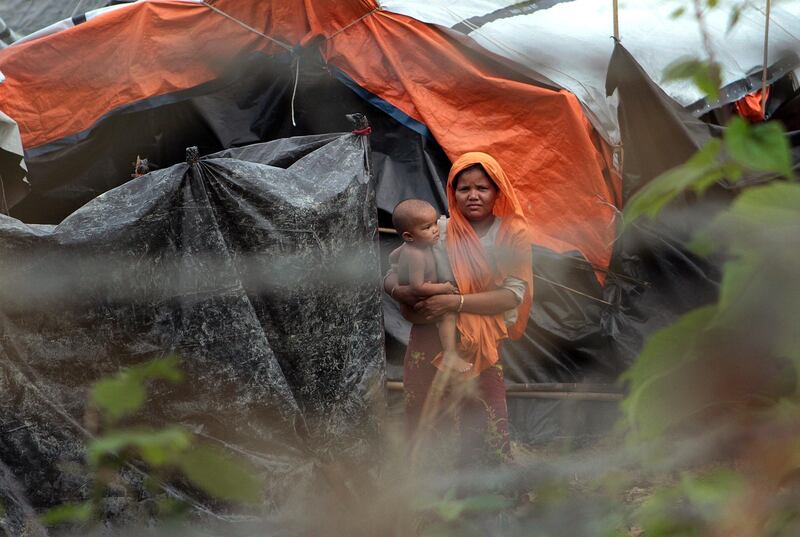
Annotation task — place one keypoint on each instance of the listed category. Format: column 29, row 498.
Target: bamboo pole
column 766, row 60
column 549, row 390
column 616, row 20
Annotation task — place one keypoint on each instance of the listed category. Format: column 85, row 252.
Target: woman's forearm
column 485, row 303
column 489, row 302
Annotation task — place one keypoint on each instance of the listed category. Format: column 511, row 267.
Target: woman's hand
column 405, row 295
column 436, row 306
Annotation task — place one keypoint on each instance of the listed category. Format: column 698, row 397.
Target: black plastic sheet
column 263, row 280
column 657, row 132
column 250, row 102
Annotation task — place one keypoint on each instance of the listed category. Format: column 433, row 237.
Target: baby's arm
column 395, row 255
column 416, row 275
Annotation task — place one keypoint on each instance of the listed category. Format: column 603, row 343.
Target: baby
column 415, row 221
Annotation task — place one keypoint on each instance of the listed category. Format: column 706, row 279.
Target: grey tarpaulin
column 264, row 280
column 27, row 16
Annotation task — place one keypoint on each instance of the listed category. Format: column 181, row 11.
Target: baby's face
column 425, row 229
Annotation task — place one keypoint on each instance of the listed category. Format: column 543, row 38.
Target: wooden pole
column 764, row 71
column 3, row 201
column 584, row 392
column 616, row 20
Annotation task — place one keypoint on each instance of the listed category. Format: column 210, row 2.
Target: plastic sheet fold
column 264, row 280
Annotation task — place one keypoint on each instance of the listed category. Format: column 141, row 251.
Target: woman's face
column 475, row 194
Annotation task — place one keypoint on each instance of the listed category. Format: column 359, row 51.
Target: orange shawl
column 481, row 334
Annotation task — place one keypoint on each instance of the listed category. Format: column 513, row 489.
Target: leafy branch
column 166, row 451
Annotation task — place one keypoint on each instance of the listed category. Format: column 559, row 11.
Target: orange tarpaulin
column 538, row 136
column 749, row 106
column 61, row 85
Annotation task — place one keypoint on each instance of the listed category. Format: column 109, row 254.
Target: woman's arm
column 485, row 303
column 406, row 297
column 401, row 293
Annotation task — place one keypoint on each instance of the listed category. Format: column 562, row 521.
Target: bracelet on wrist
column 460, row 303
column 391, row 293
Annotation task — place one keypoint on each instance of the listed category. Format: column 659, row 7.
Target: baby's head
column 415, row 221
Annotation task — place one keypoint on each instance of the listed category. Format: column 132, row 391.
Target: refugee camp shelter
column 523, row 81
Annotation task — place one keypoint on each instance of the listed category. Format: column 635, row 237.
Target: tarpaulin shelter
column 568, row 42
column 257, row 266
column 269, row 70
column 523, row 82
column 427, row 80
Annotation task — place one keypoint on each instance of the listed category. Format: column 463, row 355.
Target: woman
column 487, row 246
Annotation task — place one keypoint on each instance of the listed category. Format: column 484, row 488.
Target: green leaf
column 710, row 493
column 124, row 393
column 736, row 15
column 678, row 13
column 486, row 503
column 772, row 208
column 708, row 80
column 156, row 447
column 162, row 368
column 450, row 509
column 682, row 69
column 221, row 476
column 737, row 276
column 761, row 147
column 649, row 406
column 761, row 233
column 706, row 76
column 699, row 172
column 763, row 219
column 71, row 512
column 694, row 507
column 118, row 396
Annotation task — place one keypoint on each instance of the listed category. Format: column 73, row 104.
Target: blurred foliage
column 705, row 76
column 712, row 410
column 166, row 452
column 125, row 393
column 724, row 378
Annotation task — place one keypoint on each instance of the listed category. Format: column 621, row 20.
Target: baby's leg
column 447, row 332
column 448, row 336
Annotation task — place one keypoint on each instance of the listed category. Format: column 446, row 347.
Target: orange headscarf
column 481, row 334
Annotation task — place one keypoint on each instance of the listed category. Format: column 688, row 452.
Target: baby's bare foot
column 452, row 360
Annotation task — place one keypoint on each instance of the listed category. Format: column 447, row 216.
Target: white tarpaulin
column 570, row 42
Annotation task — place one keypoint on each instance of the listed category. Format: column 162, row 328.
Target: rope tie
column 287, row 46
column 246, row 26
column 294, row 90
column 192, row 155
column 361, row 18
